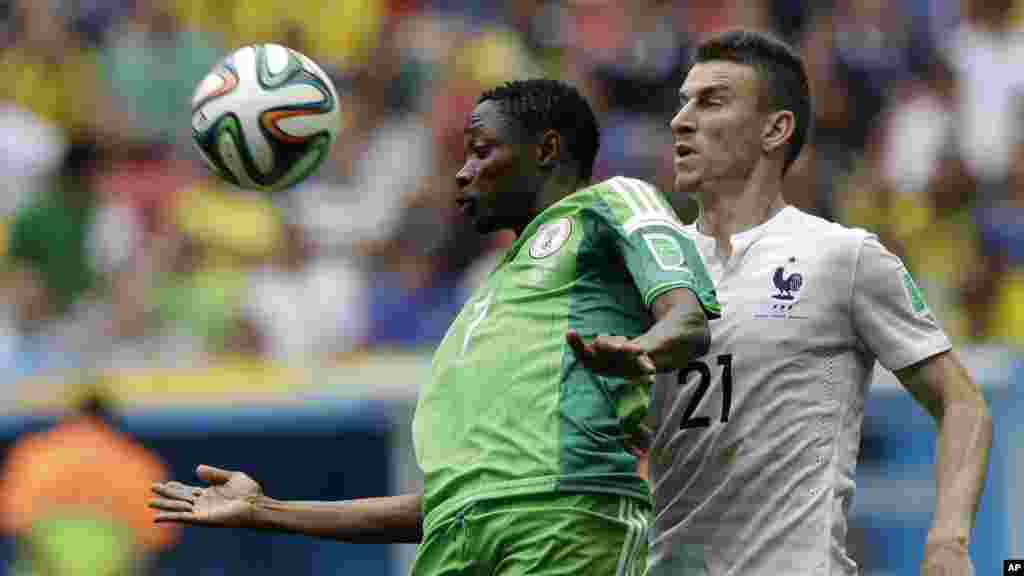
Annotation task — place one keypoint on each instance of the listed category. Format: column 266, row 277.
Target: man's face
column 496, row 189
column 717, row 131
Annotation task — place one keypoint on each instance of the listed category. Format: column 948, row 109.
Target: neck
column 726, row 210
column 551, row 190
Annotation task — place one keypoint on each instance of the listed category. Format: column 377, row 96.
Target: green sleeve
column 22, row 245
column 656, row 249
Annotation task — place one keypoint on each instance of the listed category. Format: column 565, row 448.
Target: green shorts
column 539, row 535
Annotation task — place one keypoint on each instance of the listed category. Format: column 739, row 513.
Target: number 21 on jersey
column 701, row 368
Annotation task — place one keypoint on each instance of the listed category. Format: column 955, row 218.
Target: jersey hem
column 938, row 346
column 528, row 487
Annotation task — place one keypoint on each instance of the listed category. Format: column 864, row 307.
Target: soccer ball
column 264, row 117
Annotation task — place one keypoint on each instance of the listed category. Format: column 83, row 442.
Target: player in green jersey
column 524, row 432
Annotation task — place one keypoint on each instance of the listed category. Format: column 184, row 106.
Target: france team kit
column 753, row 461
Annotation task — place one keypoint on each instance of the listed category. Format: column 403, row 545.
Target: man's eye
column 481, row 150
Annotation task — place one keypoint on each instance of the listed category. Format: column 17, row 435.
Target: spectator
column 337, row 33
column 920, row 127
column 986, row 53
column 828, row 158
column 933, row 231
column 196, row 300
column 152, row 65
column 303, row 308
column 49, row 261
column 30, row 150
column 379, row 157
column 1001, row 282
column 870, row 41
column 74, row 496
column 51, row 74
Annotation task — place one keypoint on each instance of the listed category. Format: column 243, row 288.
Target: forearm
column 944, row 388
column 964, row 440
column 680, row 335
column 365, row 521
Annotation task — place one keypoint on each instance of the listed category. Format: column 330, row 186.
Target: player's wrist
column 263, row 513
column 938, row 541
column 951, row 530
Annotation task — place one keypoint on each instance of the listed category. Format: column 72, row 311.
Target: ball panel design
column 217, row 84
column 228, row 149
column 308, row 163
column 265, row 117
column 291, row 126
column 278, row 57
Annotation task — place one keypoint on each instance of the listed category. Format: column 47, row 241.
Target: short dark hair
column 82, row 156
column 97, row 400
column 539, row 105
column 781, row 70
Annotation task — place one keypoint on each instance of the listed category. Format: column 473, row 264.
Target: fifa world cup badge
column 550, row 237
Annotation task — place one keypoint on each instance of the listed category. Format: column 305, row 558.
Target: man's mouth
column 683, row 150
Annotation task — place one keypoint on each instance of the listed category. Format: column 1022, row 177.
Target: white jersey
column 753, row 459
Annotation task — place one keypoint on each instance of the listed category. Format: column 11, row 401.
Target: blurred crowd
column 121, row 252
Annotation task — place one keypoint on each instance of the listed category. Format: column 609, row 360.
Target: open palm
column 227, row 501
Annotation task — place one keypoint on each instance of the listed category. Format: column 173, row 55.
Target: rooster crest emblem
column 786, row 285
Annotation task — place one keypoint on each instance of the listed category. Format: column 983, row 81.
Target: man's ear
column 549, row 150
column 778, row 129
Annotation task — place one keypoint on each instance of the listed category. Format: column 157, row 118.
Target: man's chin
column 685, row 184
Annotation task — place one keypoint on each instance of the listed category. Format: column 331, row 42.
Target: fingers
column 213, row 476
column 624, row 356
column 171, row 510
column 177, row 491
column 646, row 364
column 615, row 344
column 170, row 505
column 577, row 345
column 611, row 355
column 185, row 488
column 176, row 517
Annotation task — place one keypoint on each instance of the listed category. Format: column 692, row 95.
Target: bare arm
column 679, row 334
column 942, row 386
column 365, row 521
column 234, row 500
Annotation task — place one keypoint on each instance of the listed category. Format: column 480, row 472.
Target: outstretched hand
column 611, row 356
column 227, row 501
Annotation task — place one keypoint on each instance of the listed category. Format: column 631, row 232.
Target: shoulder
column 826, row 249
column 630, row 192
column 629, row 203
column 830, row 237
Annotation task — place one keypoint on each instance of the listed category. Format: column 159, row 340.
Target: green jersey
column 509, row 410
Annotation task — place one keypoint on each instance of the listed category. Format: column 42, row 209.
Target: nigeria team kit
column 512, row 426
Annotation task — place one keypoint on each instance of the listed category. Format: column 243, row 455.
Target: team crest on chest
column 550, row 237
column 786, row 286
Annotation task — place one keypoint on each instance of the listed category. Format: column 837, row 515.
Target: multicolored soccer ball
column 265, row 117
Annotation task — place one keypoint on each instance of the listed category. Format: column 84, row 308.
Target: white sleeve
column 889, row 312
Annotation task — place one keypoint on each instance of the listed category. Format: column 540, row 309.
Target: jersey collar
column 743, row 240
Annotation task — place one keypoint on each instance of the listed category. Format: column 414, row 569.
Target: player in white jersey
column 752, row 462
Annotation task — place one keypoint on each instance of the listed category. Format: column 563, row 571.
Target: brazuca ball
column 265, row 117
